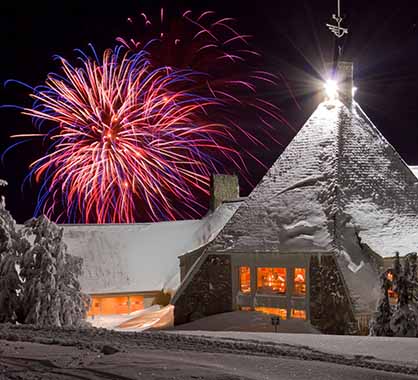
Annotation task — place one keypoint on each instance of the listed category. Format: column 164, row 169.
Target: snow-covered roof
column 414, row 169
column 140, row 257
column 338, row 176
column 338, row 183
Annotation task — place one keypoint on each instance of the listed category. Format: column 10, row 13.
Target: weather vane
column 338, row 30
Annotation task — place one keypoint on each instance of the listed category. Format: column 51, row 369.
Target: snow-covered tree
column 401, row 319
column 51, row 291
column 10, row 283
column 404, row 321
column 380, row 325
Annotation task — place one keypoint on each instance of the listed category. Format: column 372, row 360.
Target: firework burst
column 208, row 44
column 125, row 134
column 137, row 133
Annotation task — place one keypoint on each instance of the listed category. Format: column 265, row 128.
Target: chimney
column 223, row 188
column 345, row 81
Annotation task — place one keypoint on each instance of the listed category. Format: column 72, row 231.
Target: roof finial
column 338, row 30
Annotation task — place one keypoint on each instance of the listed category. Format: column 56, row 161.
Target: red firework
column 137, row 133
column 125, row 134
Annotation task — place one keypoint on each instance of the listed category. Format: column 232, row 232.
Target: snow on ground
column 399, row 350
column 140, row 257
column 32, row 361
column 31, row 353
column 257, row 326
column 156, row 317
column 246, row 321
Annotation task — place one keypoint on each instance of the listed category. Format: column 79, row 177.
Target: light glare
column 331, row 88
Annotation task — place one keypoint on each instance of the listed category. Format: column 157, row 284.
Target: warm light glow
column 282, row 313
column 298, row 314
column 271, row 280
column 115, row 305
column 299, row 286
column 393, row 296
column 331, row 88
column 390, row 276
column 245, row 280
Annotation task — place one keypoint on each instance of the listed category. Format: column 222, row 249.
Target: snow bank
column 141, row 320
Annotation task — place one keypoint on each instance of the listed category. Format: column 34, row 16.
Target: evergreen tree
column 10, row 283
column 380, row 325
column 404, row 321
column 413, row 279
column 51, row 291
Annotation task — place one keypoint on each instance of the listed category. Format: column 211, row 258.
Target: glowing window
column 115, row 305
column 298, row 314
column 271, row 280
column 299, row 286
column 136, row 303
column 393, row 297
column 282, row 313
column 245, row 280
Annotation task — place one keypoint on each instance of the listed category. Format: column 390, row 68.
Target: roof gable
column 337, row 166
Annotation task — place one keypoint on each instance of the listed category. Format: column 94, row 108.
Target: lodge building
column 312, row 238
column 308, row 243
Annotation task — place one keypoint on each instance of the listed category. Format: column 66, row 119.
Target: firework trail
column 213, row 46
column 137, row 133
column 125, row 133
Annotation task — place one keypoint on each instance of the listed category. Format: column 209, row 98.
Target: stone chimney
column 345, row 81
column 223, row 188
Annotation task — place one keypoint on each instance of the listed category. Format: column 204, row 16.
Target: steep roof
column 338, row 173
column 338, row 187
column 140, row 257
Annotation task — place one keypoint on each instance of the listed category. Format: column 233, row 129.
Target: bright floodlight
column 331, row 88
column 354, row 91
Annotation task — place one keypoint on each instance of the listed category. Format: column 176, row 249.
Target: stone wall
column 208, row 292
column 187, row 261
column 330, row 306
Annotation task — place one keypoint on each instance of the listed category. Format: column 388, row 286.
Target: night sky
column 383, row 43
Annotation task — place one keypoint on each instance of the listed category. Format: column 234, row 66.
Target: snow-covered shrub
column 51, row 291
